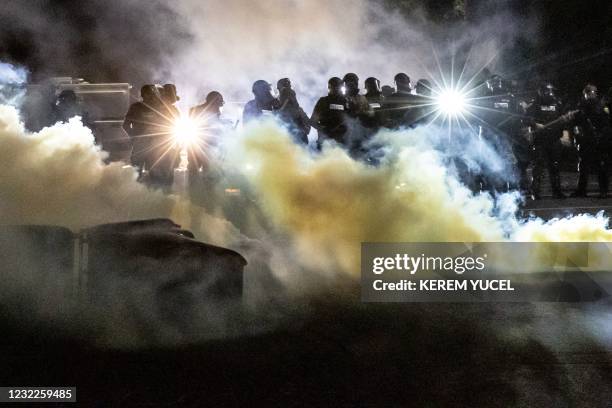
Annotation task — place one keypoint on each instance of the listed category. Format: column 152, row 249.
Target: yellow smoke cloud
column 58, row 176
column 322, row 207
column 330, row 204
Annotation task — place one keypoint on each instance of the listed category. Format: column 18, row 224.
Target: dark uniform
column 500, row 128
column 207, row 116
column 264, row 102
column 141, row 124
column 547, row 122
column 376, row 117
column 329, row 115
column 423, row 109
column 592, row 141
column 148, row 123
column 400, row 103
column 292, row 115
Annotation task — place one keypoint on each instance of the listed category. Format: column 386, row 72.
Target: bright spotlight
column 185, row 131
column 451, row 102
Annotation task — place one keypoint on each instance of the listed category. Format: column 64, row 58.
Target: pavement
column 548, row 207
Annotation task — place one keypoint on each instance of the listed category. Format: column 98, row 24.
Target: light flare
column 185, row 131
column 451, row 102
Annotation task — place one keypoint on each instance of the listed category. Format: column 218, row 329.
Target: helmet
column 261, row 87
column 351, row 77
column 214, row 98
column 496, row 85
column 169, row 93
column 589, row 93
column 372, row 85
column 402, row 82
column 423, row 87
column 387, row 90
column 351, row 82
column 148, row 92
column 283, row 83
column 547, row 90
column 334, row 85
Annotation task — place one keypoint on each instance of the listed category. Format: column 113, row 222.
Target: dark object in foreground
column 156, row 253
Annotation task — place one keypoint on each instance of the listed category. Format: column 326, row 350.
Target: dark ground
column 548, row 207
column 342, row 353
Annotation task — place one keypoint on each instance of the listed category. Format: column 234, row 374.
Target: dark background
column 571, row 44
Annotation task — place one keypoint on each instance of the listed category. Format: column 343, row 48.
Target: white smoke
column 236, row 42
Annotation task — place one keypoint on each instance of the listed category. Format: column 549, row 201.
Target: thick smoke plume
column 315, row 211
column 330, row 204
column 205, row 45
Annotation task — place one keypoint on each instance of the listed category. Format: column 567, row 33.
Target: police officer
column 593, row 141
column 169, row 98
column 546, row 121
column 500, row 127
column 358, row 106
column 291, row 113
column 376, row 115
column 263, row 103
column 210, row 109
column 400, row 102
column 387, row 90
column 424, row 108
column 282, row 84
column 207, row 116
column 142, row 124
column 329, row 115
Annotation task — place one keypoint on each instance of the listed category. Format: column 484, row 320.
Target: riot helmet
column 423, row 87
column 334, row 86
column 402, row 83
column 351, row 83
column 372, row 86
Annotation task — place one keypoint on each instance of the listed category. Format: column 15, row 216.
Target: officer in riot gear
column 593, row 141
column 423, row 88
column 546, row 121
column 207, row 116
column 141, row 124
column 211, row 108
column 282, row 84
column 291, row 113
column 358, row 106
column 329, row 115
column 149, row 127
column 169, row 94
column 424, row 108
column 387, row 90
column 400, row 103
column 500, row 128
column 376, row 115
column 264, row 102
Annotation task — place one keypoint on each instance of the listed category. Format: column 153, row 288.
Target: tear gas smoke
column 319, row 208
column 205, row 45
column 330, row 204
column 312, row 41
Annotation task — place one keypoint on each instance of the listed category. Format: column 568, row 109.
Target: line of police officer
column 527, row 133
